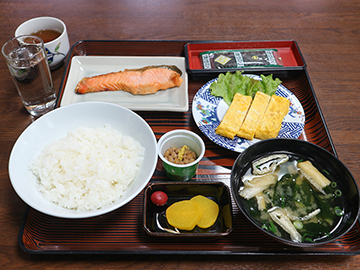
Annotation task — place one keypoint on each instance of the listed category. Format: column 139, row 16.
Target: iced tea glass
column 27, row 62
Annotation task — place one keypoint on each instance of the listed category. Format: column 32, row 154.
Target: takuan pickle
column 181, row 155
column 184, row 215
column 198, row 211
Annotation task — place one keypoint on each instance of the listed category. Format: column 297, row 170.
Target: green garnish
column 338, row 193
column 298, row 224
column 338, row 211
column 227, row 85
column 282, row 199
column 307, row 238
column 272, row 227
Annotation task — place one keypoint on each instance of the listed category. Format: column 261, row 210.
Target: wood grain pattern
column 327, row 31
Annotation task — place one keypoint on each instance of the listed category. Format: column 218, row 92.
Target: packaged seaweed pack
column 241, row 58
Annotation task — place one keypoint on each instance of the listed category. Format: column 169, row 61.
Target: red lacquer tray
column 121, row 232
column 288, row 51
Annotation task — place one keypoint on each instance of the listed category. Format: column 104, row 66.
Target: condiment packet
column 241, row 58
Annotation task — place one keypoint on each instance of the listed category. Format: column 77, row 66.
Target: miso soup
column 289, row 204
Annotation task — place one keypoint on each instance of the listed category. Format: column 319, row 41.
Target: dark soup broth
column 47, row 35
column 289, row 205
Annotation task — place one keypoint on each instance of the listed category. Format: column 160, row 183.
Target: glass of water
column 27, row 62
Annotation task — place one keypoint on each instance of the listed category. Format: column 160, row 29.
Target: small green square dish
column 154, row 219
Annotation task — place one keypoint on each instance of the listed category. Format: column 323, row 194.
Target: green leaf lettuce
column 227, row 85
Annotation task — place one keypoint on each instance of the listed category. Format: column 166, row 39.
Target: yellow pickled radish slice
column 210, row 211
column 184, row 215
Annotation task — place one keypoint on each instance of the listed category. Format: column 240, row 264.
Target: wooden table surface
column 327, row 32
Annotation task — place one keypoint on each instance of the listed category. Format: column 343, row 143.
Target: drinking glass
column 27, row 62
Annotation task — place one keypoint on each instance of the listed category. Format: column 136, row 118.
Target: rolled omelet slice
column 270, row 124
column 254, row 116
column 234, row 116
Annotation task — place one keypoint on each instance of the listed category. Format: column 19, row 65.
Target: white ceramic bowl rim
column 63, row 31
column 55, row 125
column 186, row 134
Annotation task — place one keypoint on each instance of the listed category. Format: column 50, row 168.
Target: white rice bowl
column 46, row 136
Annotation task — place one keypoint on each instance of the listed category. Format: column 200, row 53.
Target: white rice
column 88, row 169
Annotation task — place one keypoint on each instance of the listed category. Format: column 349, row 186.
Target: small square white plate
column 173, row 99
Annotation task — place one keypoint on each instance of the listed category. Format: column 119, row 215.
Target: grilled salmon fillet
column 143, row 81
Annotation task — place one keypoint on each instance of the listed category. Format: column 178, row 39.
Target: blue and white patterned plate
column 208, row 111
